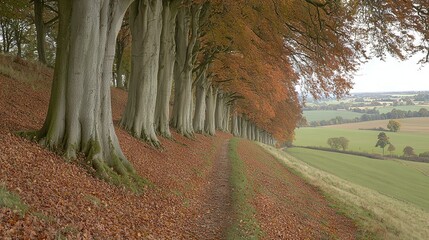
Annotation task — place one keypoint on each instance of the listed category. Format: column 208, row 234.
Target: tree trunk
column 118, row 62
column 200, row 102
column 243, row 127
column 235, row 120
column 166, row 67
column 79, row 118
column 210, row 127
column 226, row 118
column 40, row 30
column 219, row 112
column 145, row 25
column 186, row 37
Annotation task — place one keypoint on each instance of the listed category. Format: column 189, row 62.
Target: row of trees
column 239, row 60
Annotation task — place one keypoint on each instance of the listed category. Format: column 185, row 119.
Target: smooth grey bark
column 257, row 134
column 145, row 25
column 210, row 127
column 40, row 30
column 79, row 117
column 244, row 128
column 219, row 113
column 186, row 36
column 249, row 130
column 200, row 101
column 166, row 67
column 226, row 118
column 235, row 128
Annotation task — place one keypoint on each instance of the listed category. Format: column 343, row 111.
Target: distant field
column 403, row 108
column 392, row 178
column 420, row 125
column 319, row 115
column 362, row 140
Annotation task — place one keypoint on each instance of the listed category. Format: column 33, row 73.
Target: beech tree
column 145, row 24
column 79, row 118
column 122, row 42
column 187, row 27
column 166, row 66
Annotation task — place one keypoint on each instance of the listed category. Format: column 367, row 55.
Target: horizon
column 391, row 75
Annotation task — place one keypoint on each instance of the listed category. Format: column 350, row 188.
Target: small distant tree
column 391, row 148
column 334, row 143
column 409, row 151
column 344, row 143
column 383, row 140
column 425, row 155
column 393, row 126
column 337, row 143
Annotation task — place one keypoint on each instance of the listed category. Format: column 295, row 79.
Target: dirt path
column 216, row 210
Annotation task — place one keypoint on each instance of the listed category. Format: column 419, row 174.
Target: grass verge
column 12, row 201
column 377, row 216
column 245, row 225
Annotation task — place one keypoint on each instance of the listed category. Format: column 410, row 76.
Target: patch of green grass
column 385, row 176
column 93, row 199
column 413, row 108
column 361, row 140
column 12, row 201
column 319, row 115
column 377, row 215
column 66, row 232
column 245, row 225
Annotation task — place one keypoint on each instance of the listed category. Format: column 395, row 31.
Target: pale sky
column 392, row 75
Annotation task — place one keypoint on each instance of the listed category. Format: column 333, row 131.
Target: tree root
column 111, row 167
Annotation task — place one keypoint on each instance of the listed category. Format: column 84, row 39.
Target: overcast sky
column 391, row 76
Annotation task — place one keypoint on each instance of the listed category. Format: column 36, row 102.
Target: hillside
column 189, row 193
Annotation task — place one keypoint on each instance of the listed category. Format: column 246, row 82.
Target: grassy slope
column 388, row 217
column 361, row 140
column 388, row 177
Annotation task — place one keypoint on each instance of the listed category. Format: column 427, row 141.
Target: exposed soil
column 287, row 207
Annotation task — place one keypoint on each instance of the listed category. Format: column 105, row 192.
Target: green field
column 391, row 178
column 362, row 140
column 414, row 108
column 319, row 115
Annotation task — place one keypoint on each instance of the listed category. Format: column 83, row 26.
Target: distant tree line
column 394, row 114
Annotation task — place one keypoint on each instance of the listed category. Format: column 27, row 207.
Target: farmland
column 391, row 178
column 319, row 115
column 362, row 140
column 409, row 125
column 413, row 108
